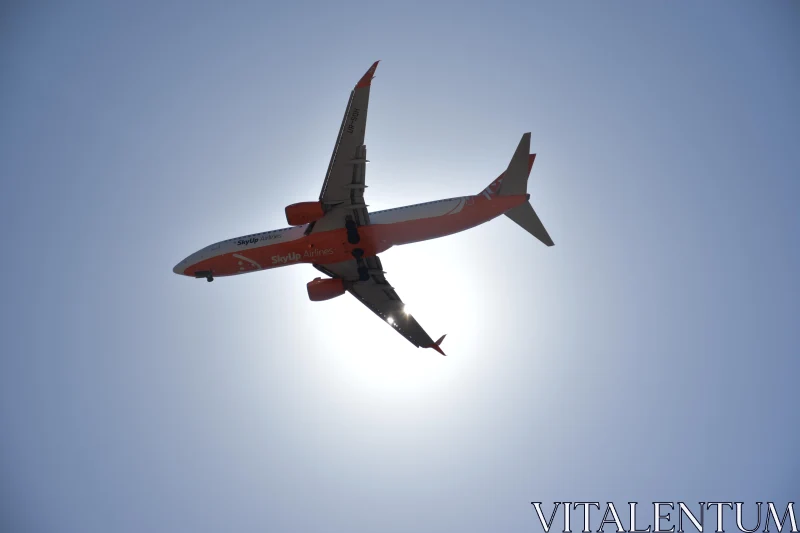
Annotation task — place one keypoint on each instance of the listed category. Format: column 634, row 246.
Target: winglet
column 436, row 344
column 366, row 80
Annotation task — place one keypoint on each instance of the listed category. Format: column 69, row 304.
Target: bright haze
column 651, row 354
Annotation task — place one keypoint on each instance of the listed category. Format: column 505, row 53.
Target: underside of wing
column 342, row 195
column 381, row 298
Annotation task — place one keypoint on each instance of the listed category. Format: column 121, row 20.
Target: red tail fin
column 436, row 344
column 494, row 187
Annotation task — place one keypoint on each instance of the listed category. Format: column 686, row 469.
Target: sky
column 651, row 354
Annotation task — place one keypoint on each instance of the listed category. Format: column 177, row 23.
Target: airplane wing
column 381, row 298
column 343, row 190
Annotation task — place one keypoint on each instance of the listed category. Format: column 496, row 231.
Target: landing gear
column 205, row 274
column 358, row 253
column 352, row 231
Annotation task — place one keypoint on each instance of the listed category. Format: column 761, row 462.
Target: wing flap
column 381, row 298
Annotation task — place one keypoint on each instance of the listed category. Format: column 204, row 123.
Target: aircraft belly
column 325, row 247
column 318, row 248
column 333, row 247
column 426, row 229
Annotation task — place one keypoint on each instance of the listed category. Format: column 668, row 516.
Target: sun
column 371, row 360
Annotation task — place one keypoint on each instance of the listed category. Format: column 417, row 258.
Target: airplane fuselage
column 392, row 227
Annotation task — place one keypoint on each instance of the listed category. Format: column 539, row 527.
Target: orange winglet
column 436, row 344
column 366, row 80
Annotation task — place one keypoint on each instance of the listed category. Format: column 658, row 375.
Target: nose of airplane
column 180, row 268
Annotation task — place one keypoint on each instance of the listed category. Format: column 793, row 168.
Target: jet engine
column 324, row 289
column 303, row 213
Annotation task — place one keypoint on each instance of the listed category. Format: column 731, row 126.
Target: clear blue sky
column 651, row 354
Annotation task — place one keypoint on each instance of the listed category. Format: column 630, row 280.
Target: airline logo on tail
column 494, row 188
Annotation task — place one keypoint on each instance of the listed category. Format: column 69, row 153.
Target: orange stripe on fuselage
column 332, row 246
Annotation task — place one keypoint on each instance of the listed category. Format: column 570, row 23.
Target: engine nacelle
column 303, row 213
column 324, row 289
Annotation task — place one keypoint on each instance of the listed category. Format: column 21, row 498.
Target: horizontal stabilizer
column 527, row 219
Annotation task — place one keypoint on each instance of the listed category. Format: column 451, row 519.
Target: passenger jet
column 342, row 239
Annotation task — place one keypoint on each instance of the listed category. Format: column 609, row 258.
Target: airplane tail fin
column 436, row 344
column 514, row 181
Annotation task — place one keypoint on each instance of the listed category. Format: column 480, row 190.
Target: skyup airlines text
column 294, row 256
column 253, row 240
column 662, row 517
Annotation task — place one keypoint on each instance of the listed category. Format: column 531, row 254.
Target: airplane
column 341, row 238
